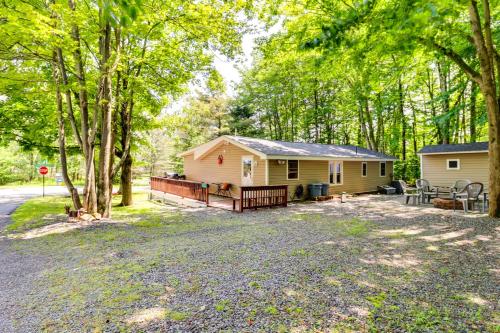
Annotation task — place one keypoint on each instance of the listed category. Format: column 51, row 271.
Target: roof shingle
column 283, row 148
column 455, row 148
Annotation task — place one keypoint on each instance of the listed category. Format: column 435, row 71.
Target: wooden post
column 241, row 199
column 207, row 192
column 286, row 196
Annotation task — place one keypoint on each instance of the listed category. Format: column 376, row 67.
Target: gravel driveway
column 371, row 264
column 17, row 272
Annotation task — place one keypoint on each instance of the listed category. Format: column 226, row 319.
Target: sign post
column 43, row 170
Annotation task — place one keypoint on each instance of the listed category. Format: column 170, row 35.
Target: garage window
column 453, row 164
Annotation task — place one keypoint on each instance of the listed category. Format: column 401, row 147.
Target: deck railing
column 183, row 188
column 253, row 197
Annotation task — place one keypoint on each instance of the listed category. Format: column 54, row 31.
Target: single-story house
column 243, row 161
column 442, row 165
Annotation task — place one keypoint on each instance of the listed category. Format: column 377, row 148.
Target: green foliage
column 362, row 73
column 408, row 169
column 157, row 50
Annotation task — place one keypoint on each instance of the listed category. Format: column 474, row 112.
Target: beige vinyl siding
column 353, row 181
column 309, row 172
column 473, row 166
column 206, row 169
column 317, row 172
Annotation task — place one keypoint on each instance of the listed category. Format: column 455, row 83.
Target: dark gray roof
column 270, row 147
column 457, row 148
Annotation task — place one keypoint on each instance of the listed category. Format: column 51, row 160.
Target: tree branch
column 456, row 58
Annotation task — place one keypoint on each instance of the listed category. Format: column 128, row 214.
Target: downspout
column 266, row 174
column 421, row 166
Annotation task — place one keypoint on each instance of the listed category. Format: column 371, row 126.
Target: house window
column 382, row 169
column 335, row 172
column 453, row 164
column 292, row 169
column 364, row 169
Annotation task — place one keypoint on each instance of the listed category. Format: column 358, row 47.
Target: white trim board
column 335, row 163
column 203, row 150
column 448, row 160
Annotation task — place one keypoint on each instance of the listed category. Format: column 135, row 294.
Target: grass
column 37, row 212
column 354, row 227
column 41, row 211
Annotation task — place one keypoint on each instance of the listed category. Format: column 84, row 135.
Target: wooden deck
column 220, row 202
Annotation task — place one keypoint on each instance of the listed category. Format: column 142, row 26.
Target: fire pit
column 446, row 203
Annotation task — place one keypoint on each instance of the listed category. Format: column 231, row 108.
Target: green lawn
column 37, row 212
column 41, row 211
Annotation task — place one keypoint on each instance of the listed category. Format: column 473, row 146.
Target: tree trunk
column 487, row 60
column 403, row 124
column 443, row 84
column 87, row 131
column 472, row 120
column 62, row 136
column 369, row 121
column 362, row 124
column 126, row 181
column 106, row 115
column 430, row 89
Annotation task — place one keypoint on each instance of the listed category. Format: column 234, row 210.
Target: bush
column 408, row 170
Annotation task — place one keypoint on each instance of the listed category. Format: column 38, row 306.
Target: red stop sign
column 43, row 170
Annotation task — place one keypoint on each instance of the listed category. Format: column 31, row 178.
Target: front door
column 246, row 170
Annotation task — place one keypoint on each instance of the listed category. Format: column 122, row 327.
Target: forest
column 93, row 81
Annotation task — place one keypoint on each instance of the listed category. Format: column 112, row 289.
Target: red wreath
column 220, row 159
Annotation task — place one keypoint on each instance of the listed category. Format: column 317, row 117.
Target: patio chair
column 484, row 201
column 223, row 189
column 470, row 194
column 410, row 192
column 459, row 186
column 427, row 190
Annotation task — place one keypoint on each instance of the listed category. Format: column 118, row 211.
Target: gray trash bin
column 324, row 189
column 314, row 190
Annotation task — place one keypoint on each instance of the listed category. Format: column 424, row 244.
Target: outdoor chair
column 410, row 192
column 484, row 201
column 459, row 186
column 470, row 195
column 223, row 189
column 427, row 191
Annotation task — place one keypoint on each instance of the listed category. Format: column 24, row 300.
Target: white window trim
column 448, row 164
column 335, row 173
column 364, row 163
column 380, row 168
column 298, row 170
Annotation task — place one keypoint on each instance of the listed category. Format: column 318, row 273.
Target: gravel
column 17, row 273
column 371, row 263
